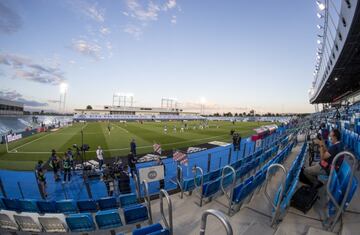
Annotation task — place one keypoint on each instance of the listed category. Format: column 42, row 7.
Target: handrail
column 199, row 187
column 137, row 186
column 180, row 179
column 168, row 224
column 147, row 200
column 282, row 188
column 230, row 195
column 218, row 215
column 340, row 208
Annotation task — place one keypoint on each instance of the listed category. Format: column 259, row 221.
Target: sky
column 234, row 55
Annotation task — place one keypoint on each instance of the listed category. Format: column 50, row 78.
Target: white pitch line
column 15, row 149
column 141, row 147
column 121, row 128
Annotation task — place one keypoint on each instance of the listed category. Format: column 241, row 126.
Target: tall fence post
column 88, row 189
column 20, row 190
column 64, row 191
column 244, row 150
column 3, row 192
column 40, row 188
column 209, row 162
column 229, row 158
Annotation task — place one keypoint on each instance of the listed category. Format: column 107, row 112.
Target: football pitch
column 23, row 154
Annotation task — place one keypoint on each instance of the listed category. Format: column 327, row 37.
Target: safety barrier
column 218, row 215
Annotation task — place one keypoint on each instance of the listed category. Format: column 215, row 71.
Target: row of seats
column 79, row 222
column 188, row 184
column 338, row 185
column 351, row 141
column 292, row 178
column 67, row 206
column 242, row 167
column 246, row 188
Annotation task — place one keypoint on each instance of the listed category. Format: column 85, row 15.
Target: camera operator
column 108, row 178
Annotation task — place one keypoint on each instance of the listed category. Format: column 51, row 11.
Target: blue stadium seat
column 87, row 206
column 188, row 185
column 47, row 206
column 80, row 222
column 127, row 199
column 153, row 229
column 107, row 203
column 11, row 204
column 344, row 174
column 215, row 174
column 228, row 179
column 242, row 191
column 108, row 219
column 135, row 213
column 209, row 189
column 66, row 206
column 28, row 205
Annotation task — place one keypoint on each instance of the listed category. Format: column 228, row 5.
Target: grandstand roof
column 344, row 79
column 11, row 103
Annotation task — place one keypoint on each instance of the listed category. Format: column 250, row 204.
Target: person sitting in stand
column 326, row 157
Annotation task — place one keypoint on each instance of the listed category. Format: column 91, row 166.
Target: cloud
column 87, row 48
column 144, row 13
column 173, row 20
column 26, row 69
column 16, row 96
column 97, row 14
column 10, row 21
column 104, row 30
column 170, row 4
column 91, row 11
column 134, row 30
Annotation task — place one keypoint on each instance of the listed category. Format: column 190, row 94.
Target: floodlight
column 321, row 5
column 319, row 15
column 63, row 87
column 202, row 100
column 319, row 41
column 319, row 26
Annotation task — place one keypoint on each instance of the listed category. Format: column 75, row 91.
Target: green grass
column 26, row 152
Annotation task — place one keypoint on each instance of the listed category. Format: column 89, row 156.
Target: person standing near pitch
column 133, row 147
column 109, row 128
column 100, row 157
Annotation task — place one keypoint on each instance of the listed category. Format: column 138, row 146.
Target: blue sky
column 237, row 54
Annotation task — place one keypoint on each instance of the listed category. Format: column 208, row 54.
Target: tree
column 89, row 107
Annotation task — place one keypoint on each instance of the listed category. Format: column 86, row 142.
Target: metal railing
column 199, row 188
column 229, row 195
column 168, row 224
column 339, row 208
column 137, row 187
column 147, row 200
column 282, row 188
column 218, row 215
column 180, row 180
